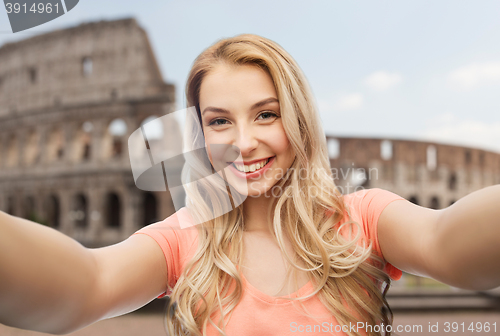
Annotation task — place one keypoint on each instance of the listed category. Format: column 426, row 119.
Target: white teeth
column 251, row 168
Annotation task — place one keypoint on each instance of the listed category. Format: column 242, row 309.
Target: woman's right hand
column 51, row 283
column 131, row 274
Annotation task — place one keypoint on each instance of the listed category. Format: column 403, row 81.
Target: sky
column 420, row 70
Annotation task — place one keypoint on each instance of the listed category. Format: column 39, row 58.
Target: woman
column 294, row 256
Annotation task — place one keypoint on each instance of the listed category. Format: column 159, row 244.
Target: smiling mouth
column 253, row 167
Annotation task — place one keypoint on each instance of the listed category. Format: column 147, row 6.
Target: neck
column 256, row 211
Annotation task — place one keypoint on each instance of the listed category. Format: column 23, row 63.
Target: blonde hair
column 347, row 278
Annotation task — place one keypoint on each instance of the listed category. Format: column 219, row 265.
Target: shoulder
column 373, row 195
column 176, row 229
column 367, row 206
column 178, row 220
column 370, row 202
column 177, row 237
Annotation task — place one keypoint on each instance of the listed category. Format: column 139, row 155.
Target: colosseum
column 429, row 174
column 70, row 99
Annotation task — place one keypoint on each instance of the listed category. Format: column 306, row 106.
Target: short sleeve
column 370, row 203
column 177, row 244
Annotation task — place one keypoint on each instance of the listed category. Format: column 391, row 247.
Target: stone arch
column 79, row 213
column 431, row 157
column 149, row 208
column 114, row 138
column 467, row 156
column 29, row 208
column 10, row 206
column 358, row 177
column 333, row 148
column 113, row 210
column 153, row 128
column 12, row 152
column 414, row 199
column 83, row 142
column 452, row 181
column 55, row 144
column 53, row 211
column 32, row 148
column 87, row 66
column 33, row 75
column 435, row 204
column 386, row 150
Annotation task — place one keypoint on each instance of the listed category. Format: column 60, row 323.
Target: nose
column 246, row 141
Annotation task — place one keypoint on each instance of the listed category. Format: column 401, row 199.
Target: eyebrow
column 254, row 106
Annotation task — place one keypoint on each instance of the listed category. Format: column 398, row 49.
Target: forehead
column 236, row 85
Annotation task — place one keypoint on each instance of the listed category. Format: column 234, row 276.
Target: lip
column 254, row 174
column 247, row 163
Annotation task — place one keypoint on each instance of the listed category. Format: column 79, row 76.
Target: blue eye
column 216, row 122
column 267, row 115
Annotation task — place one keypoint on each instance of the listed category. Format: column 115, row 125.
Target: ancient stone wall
column 430, row 174
column 69, row 100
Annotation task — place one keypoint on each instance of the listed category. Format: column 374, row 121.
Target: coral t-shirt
column 258, row 313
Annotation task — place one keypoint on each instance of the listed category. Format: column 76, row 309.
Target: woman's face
column 239, row 107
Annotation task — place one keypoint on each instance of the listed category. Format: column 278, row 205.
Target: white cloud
column 448, row 128
column 382, row 80
column 475, row 74
column 349, row 101
column 352, row 101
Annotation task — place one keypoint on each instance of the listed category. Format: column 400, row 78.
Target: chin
column 259, row 189
column 254, row 189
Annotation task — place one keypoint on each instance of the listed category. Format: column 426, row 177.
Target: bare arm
column 51, row 283
column 459, row 245
column 468, row 237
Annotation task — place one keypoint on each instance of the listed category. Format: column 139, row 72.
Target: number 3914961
column 473, row 327
column 35, row 8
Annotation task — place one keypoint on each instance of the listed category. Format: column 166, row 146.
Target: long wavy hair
column 347, row 277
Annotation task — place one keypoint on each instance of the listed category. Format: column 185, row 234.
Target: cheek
column 209, row 141
column 278, row 141
column 218, row 150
